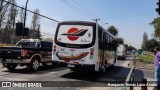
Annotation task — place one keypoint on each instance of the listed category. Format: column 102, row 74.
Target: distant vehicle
column 30, row 52
column 82, row 45
column 139, row 51
column 146, row 53
column 121, row 52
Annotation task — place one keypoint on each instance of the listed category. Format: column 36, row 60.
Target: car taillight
column 91, row 53
column 23, row 52
column 54, row 49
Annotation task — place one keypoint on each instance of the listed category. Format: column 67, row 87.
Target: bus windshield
column 75, row 34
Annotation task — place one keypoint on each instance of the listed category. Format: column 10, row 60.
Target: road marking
column 99, row 88
column 122, row 63
column 53, row 72
column 16, row 79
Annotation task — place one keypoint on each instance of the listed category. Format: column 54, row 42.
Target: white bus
column 82, row 45
column 121, row 52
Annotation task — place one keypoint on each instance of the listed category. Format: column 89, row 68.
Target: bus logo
column 73, row 33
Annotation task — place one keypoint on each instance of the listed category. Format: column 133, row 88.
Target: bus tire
column 11, row 67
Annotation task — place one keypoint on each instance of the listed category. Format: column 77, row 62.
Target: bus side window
column 99, row 38
column 106, row 41
column 111, row 47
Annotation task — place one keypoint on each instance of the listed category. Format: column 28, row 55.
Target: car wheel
column 34, row 65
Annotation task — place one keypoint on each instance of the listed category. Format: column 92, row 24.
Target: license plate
column 71, row 65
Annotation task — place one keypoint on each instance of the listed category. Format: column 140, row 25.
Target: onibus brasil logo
column 74, row 33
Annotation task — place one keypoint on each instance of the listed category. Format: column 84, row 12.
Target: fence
column 130, row 77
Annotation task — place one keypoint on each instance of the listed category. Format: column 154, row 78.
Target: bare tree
column 35, row 20
column 35, row 25
column 3, row 10
column 10, row 24
column 21, row 15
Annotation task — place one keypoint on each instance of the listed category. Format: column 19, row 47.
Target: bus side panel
column 97, row 56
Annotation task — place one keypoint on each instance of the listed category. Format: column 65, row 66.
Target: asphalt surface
column 64, row 79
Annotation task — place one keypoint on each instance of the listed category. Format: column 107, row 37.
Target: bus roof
column 85, row 22
column 107, row 31
column 76, row 22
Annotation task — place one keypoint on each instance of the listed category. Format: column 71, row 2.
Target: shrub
column 149, row 59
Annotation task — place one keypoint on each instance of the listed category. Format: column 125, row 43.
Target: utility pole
column 25, row 18
column 96, row 20
column 1, row 4
column 158, row 7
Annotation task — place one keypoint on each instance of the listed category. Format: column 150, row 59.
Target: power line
column 77, row 9
column 32, row 11
column 46, row 34
column 84, row 8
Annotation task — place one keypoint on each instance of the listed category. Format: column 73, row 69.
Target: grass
column 148, row 59
column 2, row 45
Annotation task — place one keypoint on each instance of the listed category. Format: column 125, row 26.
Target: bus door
column 104, row 45
column 101, row 46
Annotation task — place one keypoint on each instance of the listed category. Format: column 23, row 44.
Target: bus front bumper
column 90, row 67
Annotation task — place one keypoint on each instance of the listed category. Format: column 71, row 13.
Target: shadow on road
column 112, row 75
column 138, row 75
column 41, row 70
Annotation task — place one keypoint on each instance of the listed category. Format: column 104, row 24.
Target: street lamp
column 105, row 24
column 25, row 17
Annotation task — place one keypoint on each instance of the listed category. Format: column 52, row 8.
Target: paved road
column 84, row 81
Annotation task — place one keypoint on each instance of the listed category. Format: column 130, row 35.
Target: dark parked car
column 30, row 52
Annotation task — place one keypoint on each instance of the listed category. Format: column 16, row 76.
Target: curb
column 131, row 62
column 144, row 68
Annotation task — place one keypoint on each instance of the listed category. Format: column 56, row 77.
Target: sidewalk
column 148, row 88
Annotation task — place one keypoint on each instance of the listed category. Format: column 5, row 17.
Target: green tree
column 156, row 25
column 151, row 44
column 113, row 30
column 130, row 48
column 145, row 39
column 120, row 40
column 126, row 45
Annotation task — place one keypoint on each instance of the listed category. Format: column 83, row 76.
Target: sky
column 130, row 17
